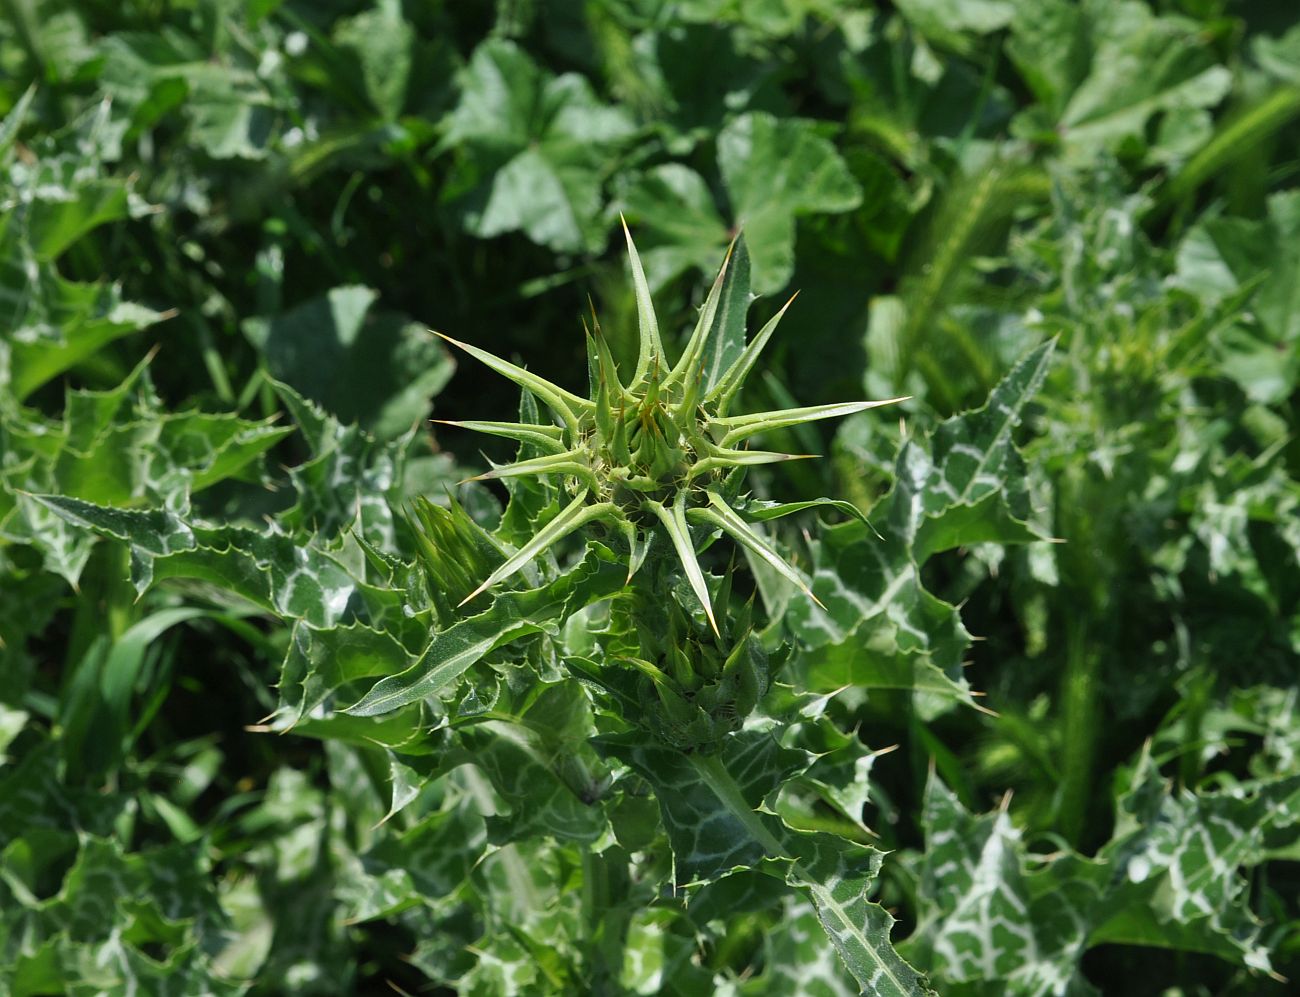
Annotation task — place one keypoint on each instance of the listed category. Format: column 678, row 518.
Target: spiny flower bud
column 659, row 454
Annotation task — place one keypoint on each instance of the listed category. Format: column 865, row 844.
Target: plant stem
column 1079, row 710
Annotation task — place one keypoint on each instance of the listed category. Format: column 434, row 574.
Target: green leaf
column 383, row 43
column 1138, row 65
column 677, row 221
column 536, row 148
column 709, row 838
column 369, row 367
column 993, row 910
column 512, row 615
column 775, row 170
column 713, row 810
column 968, row 486
column 51, row 324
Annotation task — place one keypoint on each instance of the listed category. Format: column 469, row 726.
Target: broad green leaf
column 383, row 43
column 365, row 366
column 535, row 149
column 1138, row 65
column 677, row 221
column 227, row 108
column 948, row 19
column 774, row 171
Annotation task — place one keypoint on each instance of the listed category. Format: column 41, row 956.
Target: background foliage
column 224, row 227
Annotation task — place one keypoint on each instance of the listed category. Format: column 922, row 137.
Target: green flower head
column 660, row 453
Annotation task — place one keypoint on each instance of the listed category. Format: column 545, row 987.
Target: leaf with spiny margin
column 271, row 570
column 352, row 481
column 968, row 485
column 323, row 665
column 839, row 776
column 512, row 615
column 540, row 764
column 880, row 627
column 116, row 447
column 797, row 962
column 49, row 324
column 112, row 908
column 1171, row 876
column 713, row 808
column 836, row 875
column 709, row 839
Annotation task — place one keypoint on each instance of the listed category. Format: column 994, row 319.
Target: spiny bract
column 659, row 452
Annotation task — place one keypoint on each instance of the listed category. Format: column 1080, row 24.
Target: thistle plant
column 660, row 461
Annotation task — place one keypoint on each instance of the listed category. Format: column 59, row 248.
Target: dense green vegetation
column 1000, row 696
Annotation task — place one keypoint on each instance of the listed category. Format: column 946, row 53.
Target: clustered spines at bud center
column 660, row 453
